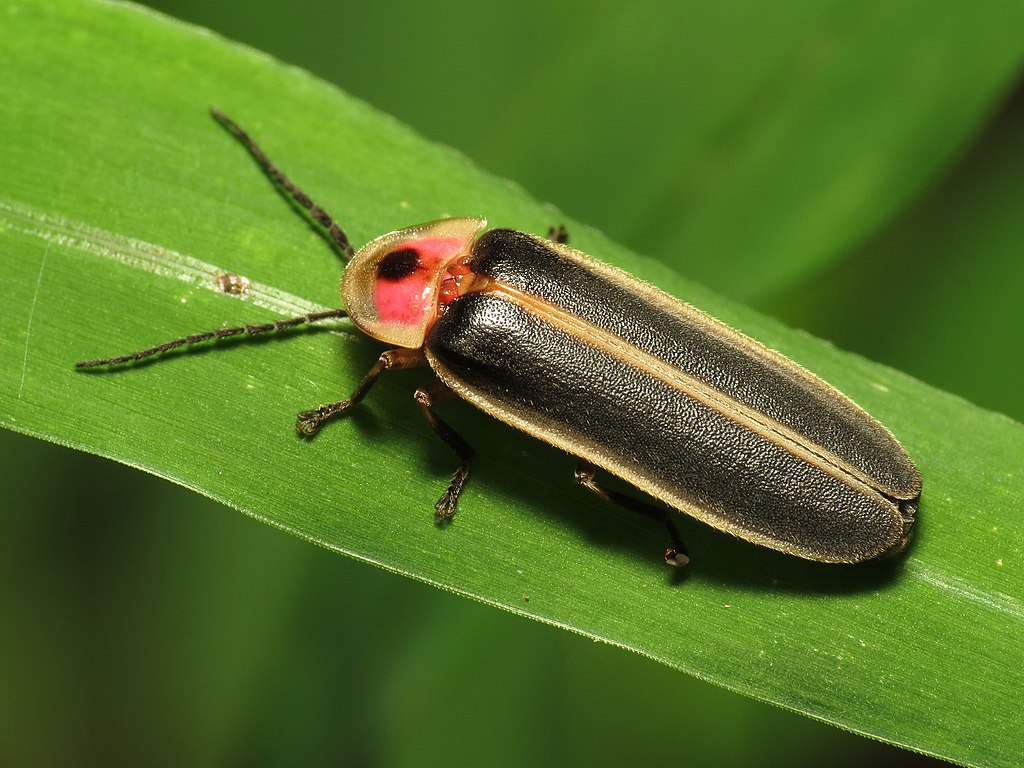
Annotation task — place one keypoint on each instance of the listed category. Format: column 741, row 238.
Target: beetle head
column 392, row 287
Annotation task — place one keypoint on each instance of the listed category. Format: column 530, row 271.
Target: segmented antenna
column 220, row 333
column 336, row 233
column 321, row 216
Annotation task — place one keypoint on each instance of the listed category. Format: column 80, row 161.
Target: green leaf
column 748, row 144
column 121, row 200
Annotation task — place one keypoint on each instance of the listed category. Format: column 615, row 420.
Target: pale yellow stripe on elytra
column 771, row 359
column 691, row 386
column 549, row 431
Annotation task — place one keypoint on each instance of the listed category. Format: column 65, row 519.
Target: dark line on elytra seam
column 687, row 383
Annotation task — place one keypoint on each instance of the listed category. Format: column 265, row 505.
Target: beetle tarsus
column 674, row 555
column 426, row 397
column 309, row 422
column 446, row 505
column 676, row 558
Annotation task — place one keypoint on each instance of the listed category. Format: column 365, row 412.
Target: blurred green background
column 856, row 169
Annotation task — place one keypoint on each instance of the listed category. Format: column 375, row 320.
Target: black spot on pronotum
column 398, row 264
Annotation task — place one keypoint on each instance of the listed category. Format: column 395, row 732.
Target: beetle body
column 617, row 373
column 611, row 369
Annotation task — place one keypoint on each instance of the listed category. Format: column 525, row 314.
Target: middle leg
column 674, row 555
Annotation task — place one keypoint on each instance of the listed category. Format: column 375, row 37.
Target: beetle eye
column 398, row 264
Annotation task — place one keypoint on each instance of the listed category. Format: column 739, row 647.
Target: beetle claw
column 309, row 422
column 445, row 508
column 676, row 558
column 449, row 501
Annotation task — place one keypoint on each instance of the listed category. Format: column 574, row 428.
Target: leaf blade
column 770, row 627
